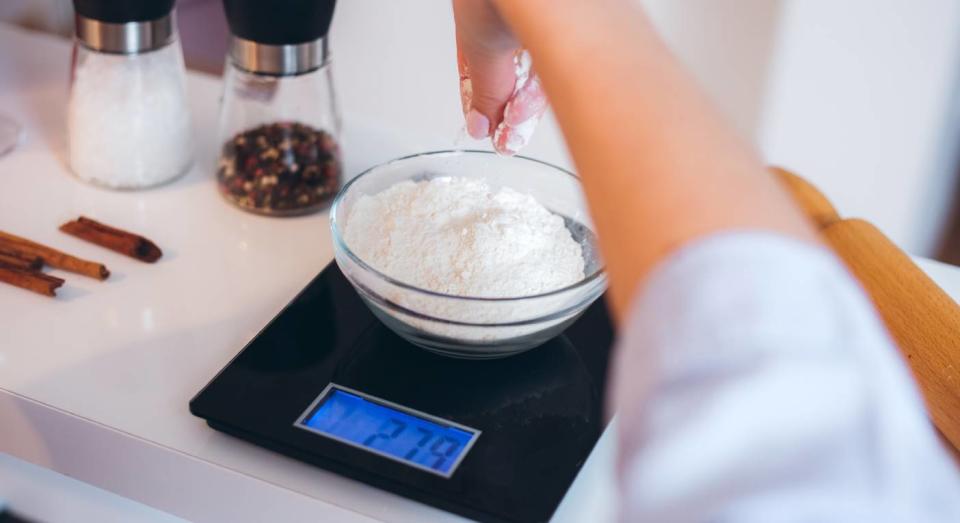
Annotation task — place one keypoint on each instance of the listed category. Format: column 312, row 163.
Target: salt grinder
column 128, row 122
column 279, row 123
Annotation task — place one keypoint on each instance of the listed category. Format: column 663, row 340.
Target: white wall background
column 861, row 99
column 728, row 44
column 53, row 16
column 859, row 96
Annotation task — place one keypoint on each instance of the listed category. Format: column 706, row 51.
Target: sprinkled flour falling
column 518, row 135
column 458, row 236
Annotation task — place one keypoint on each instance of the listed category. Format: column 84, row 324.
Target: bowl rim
column 340, row 244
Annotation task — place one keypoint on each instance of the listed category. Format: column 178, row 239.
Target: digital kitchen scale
column 494, row 440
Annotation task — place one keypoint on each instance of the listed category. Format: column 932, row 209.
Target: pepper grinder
column 128, row 122
column 279, row 123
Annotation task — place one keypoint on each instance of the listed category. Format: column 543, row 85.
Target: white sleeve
column 755, row 382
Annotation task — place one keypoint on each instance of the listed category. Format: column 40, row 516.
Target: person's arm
column 659, row 165
column 753, row 382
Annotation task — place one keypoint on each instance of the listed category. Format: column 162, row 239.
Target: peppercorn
column 283, row 168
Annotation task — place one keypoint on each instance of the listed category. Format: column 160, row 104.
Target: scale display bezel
column 301, row 423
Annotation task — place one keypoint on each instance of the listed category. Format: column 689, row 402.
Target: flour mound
column 457, row 236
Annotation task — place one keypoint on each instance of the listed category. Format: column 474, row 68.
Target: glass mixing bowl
column 465, row 326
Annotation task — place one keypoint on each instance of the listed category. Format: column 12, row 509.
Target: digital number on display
column 390, row 430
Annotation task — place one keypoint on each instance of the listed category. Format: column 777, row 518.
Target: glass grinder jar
column 128, row 123
column 279, row 124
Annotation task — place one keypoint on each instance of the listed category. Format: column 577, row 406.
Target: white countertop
column 95, row 383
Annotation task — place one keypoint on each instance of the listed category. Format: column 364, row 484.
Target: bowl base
column 469, row 350
column 460, row 355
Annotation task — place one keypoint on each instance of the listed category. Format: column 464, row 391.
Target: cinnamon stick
column 118, row 240
column 31, row 280
column 19, row 259
column 53, row 257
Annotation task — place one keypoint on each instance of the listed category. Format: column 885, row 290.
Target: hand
column 500, row 93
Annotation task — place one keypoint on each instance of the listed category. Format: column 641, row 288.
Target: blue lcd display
column 389, row 430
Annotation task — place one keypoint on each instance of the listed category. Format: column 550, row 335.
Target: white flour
column 457, row 236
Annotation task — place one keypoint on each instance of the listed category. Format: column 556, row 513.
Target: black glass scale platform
column 493, row 440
